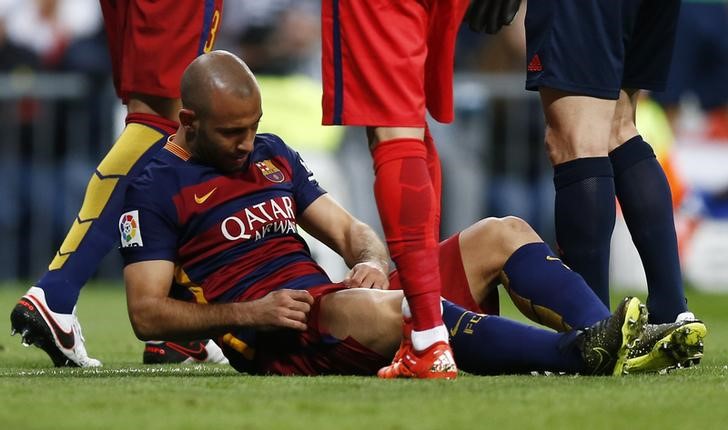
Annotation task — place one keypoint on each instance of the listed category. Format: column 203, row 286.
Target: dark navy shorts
column 700, row 61
column 596, row 47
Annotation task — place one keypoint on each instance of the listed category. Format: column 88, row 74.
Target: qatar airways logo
column 258, row 221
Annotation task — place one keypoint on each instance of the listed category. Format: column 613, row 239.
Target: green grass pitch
column 124, row 394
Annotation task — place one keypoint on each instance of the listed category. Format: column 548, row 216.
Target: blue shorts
column 596, row 47
column 700, row 62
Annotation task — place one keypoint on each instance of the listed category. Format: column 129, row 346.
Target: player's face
column 226, row 134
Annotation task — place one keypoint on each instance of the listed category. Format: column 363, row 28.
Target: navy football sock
column 646, row 202
column 548, row 292
column 488, row 345
column 95, row 230
column 585, row 213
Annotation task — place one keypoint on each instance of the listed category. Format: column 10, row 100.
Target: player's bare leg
column 372, row 317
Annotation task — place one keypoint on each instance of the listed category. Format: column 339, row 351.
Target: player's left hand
column 367, row 275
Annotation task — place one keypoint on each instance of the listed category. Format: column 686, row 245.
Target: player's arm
column 155, row 315
column 355, row 241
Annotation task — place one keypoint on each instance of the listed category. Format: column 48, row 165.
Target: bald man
column 210, row 242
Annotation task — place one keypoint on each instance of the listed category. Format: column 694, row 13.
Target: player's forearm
column 171, row 319
column 363, row 245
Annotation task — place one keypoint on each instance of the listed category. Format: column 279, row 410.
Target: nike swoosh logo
column 199, row 354
column 454, row 329
column 552, row 258
column 201, row 200
column 66, row 338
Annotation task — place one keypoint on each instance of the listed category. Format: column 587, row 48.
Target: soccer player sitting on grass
column 210, row 243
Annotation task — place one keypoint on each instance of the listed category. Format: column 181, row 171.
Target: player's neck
column 177, row 144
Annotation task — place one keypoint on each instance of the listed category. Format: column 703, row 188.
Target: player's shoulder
column 270, row 144
column 162, row 174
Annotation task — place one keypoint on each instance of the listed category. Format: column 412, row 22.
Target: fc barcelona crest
column 270, row 171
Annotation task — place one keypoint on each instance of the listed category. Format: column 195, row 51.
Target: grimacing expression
column 225, row 133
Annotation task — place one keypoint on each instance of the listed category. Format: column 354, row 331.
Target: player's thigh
column 159, row 40
column 576, row 46
column 371, row 317
column 650, row 44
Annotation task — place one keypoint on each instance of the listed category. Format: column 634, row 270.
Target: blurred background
column 59, row 116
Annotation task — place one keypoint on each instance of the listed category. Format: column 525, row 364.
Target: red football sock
column 409, row 209
column 435, row 170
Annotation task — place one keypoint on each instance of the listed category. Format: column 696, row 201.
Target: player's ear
column 187, row 117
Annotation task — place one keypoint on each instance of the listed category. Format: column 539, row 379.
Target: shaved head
column 221, row 110
column 212, row 74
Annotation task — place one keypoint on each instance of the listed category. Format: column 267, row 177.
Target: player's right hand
column 284, row 309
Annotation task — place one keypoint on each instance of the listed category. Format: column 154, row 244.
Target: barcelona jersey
column 232, row 237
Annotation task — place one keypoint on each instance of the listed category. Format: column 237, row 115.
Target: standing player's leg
column 147, row 69
column 578, row 84
column 377, row 78
column 46, row 314
column 646, row 202
column 408, row 206
column 577, row 134
column 640, row 183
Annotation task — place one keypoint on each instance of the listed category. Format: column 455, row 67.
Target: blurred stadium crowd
column 60, row 115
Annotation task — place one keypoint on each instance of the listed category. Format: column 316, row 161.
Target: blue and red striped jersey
column 230, row 236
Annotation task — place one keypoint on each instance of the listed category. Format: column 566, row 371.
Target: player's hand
column 284, row 309
column 367, row 275
column 489, row 16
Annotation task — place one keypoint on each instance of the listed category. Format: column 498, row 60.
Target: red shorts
column 309, row 353
column 386, row 61
column 315, row 353
column 455, row 286
column 152, row 42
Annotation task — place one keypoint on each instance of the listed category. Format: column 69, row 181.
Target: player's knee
column 515, row 232
column 623, row 122
column 516, row 225
column 623, row 130
column 507, row 233
column 558, row 147
column 569, row 143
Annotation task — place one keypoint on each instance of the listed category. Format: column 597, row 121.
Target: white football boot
column 59, row 335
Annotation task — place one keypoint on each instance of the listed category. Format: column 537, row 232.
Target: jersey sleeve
column 306, row 188
column 148, row 230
